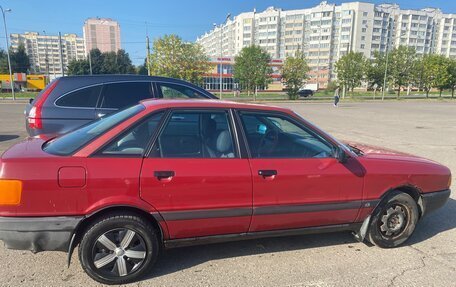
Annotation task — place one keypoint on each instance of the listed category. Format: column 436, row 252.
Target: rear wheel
column 394, row 220
column 118, row 249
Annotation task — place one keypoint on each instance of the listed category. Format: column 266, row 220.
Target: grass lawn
column 19, row 95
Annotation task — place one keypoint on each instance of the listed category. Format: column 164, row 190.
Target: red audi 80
column 168, row 173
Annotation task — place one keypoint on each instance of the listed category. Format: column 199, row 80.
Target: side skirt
column 174, row 243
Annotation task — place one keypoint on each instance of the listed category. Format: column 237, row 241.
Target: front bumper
column 38, row 233
column 434, row 200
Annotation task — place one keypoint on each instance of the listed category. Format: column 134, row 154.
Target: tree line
column 401, row 68
column 20, row 62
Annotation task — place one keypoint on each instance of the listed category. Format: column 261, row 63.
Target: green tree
column 102, row 63
column 123, row 61
column 440, row 69
column 251, row 68
column 174, row 58
column 351, row 69
column 20, row 62
column 294, row 74
column 3, row 62
column 402, row 66
column 452, row 76
column 142, row 69
column 435, row 73
column 375, row 71
column 78, row 67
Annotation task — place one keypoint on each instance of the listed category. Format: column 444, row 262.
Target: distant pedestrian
column 336, row 96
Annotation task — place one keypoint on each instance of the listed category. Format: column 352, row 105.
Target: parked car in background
column 70, row 102
column 168, row 173
column 305, row 93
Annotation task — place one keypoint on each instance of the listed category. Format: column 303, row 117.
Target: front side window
column 276, row 136
column 135, row 140
column 121, row 95
column 69, row 143
column 83, row 98
column 192, row 134
column 174, row 91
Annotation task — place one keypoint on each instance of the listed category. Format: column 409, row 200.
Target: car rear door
column 195, row 177
column 119, row 95
column 296, row 180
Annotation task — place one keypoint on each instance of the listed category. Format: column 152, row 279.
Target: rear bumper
column 434, row 200
column 38, row 233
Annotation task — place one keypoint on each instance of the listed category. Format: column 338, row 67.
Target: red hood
column 370, row 149
column 375, row 152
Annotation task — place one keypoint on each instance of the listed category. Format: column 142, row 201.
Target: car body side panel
column 204, row 197
column 305, row 192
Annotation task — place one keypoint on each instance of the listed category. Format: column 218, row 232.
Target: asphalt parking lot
column 425, row 128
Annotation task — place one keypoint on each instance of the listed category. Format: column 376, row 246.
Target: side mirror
column 341, row 155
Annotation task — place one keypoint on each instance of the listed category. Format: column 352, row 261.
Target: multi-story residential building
column 46, row 51
column 102, row 33
column 326, row 32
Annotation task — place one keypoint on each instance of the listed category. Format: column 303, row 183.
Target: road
column 425, row 128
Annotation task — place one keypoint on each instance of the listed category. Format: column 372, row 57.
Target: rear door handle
column 267, row 172
column 100, row 115
column 163, row 174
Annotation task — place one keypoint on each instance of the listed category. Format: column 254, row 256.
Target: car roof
column 155, row 104
column 118, row 77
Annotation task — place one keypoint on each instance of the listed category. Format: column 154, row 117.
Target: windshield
column 71, row 142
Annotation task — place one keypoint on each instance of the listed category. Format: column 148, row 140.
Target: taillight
column 34, row 118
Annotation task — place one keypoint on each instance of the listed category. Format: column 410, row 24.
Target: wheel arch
column 413, row 191
column 154, row 218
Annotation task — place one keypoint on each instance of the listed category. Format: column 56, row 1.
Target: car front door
column 195, row 177
column 296, row 180
column 117, row 96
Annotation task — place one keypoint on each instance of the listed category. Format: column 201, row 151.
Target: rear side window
column 83, row 98
column 121, row 95
column 173, row 91
column 69, row 143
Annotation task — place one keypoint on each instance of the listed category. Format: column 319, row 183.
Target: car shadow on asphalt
column 439, row 221
column 7, row 137
column 178, row 259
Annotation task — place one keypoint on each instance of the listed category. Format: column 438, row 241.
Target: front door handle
column 267, row 172
column 164, row 174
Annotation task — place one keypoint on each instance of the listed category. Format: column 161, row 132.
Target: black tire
column 131, row 235
column 394, row 220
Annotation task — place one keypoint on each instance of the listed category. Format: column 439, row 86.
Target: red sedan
column 167, row 173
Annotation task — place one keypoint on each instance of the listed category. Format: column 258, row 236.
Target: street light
column 221, row 52
column 7, row 51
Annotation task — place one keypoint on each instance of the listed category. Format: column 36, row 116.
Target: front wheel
column 118, row 249
column 394, row 220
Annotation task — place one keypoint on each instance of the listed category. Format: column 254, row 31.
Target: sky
column 188, row 19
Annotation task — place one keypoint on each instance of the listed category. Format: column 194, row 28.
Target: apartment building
column 328, row 31
column 46, row 52
column 102, row 33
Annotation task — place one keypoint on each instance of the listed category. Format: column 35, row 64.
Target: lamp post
column 7, row 51
column 46, row 58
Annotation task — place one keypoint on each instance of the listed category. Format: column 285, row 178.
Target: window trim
column 231, row 124
column 78, row 89
column 97, row 153
column 292, row 119
column 160, row 93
